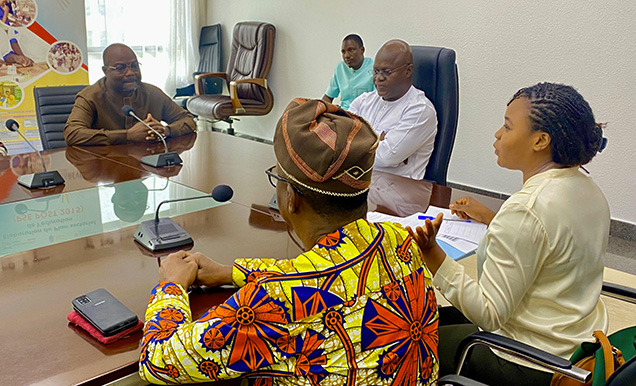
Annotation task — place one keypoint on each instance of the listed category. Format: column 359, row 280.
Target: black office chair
column 624, row 375
column 53, row 105
column 457, row 380
column 435, row 73
column 210, row 55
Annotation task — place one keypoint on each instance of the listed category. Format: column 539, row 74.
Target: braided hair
column 561, row 111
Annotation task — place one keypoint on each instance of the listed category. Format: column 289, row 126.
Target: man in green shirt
column 353, row 76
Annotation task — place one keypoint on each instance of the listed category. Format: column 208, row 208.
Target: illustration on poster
column 64, row 57
column 18, row 13
column 10, row 95
column 38, row 48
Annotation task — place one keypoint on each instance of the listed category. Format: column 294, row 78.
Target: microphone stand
column 33, row 148
column 176, row 200
column 171, row 235
column 44, row 179
column 169, row 201
column 158, row 160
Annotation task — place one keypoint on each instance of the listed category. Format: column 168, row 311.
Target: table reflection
column 28, row 163
column 397, row 195
column 68, row 216
column 95, row 163
column 97, row 168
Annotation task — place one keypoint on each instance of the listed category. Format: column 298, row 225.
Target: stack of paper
column 456, row 236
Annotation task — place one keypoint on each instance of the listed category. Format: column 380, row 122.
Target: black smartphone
column 107, row 314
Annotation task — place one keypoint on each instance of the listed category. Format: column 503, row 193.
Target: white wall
column 501, row 46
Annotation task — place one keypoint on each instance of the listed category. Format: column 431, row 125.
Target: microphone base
column 162, row 160
column 41, row 180
column 165, row 235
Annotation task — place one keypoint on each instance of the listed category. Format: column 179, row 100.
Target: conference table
column 85, row 241
column 41, row 273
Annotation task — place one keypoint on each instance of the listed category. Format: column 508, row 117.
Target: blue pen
column 420, row 217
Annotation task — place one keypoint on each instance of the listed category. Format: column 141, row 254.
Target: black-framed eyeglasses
column 385, row 72
column 122, row 67
column 273, row 176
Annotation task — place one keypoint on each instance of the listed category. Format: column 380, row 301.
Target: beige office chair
column 245, row 77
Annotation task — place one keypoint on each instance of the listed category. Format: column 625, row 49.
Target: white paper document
column 456, row 236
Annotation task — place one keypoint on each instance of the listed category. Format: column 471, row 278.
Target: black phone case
column 105, row 312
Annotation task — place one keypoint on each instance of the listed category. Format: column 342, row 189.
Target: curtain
column 183, row 45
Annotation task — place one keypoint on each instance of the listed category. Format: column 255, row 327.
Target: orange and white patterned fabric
column 358, row 308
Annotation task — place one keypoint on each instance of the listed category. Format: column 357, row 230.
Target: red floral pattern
column 171, row 314
column 213, row 339
column 408, row 328
column 252, row 318
column 342, row 313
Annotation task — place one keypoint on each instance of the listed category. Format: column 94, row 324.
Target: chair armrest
column 236, row 103
column 186, row 91
column 198, row 80
column 522, row 351
column 458, row 380
column 618, row 291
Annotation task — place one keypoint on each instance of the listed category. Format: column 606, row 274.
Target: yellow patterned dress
column 357, row 309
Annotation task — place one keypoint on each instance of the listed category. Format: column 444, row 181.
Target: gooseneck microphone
column 44, row 179
column 220, row 193
column 163, row 233
column 156, row 160
column 128, row 110
column 13, row 125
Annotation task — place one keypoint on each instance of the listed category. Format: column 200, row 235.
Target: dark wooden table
column 37, row 286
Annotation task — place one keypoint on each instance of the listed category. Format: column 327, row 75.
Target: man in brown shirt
column 97, row 119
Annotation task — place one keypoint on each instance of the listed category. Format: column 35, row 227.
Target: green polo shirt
column 350, row 83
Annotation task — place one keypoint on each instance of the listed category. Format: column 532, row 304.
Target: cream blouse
column 540, row 265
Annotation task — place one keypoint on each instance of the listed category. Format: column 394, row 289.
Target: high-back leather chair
column 210, row 49
column 53, row 105
column 210, row 54
column 246, row 77
column 435, row 73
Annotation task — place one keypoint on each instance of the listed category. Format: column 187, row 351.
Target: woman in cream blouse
column 540, row 263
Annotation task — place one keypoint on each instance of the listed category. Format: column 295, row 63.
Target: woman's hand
column 432, row 253
column 470, row 209
column 425, row 237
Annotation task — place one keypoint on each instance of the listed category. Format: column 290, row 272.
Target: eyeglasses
column 122, row 67
column 386, row 72
column 272, row 176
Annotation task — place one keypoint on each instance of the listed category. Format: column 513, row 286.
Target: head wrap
column 324, row 148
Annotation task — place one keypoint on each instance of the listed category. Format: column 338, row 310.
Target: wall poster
column 42, row 43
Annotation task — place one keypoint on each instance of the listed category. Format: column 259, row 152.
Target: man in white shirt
column 400, row 113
